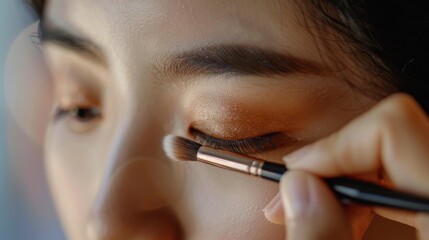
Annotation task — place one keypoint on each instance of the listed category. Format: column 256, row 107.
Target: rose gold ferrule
column 229, row 160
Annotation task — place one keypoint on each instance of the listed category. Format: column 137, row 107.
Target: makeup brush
column 347, row 189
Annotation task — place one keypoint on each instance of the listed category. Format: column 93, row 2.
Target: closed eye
column 244, row 146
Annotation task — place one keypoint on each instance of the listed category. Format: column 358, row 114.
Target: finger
column 360, row 216
column 393, row 135
column 311, row 211
column 422, row 225
column 403, row 216
column 274, row 210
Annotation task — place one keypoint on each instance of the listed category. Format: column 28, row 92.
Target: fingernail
column 291, row 158
column 296, row 195
column 272, row 204
column 274, row 210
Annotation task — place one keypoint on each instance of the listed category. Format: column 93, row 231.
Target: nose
column 136, row 204
column 138, row 188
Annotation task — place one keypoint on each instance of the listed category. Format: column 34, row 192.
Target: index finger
column 394, row 135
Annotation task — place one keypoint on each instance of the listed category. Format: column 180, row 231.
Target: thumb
column 311, row 209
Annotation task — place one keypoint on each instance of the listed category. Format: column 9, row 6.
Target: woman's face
column 127, row 73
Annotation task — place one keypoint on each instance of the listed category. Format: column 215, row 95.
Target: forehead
column 184, row 23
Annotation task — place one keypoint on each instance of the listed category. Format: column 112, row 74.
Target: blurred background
column 26, row 210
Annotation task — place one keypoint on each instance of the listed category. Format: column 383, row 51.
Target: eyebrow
column 237, row 60
column 69, row 41
column 221, row 59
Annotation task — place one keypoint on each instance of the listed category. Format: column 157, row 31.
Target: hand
column 390, row 140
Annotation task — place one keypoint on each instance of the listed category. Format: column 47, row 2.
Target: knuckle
column 398, row 110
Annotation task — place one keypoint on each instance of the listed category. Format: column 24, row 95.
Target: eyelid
column 253, row 145
column 71, row 93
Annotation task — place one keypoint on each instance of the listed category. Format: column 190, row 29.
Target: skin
column 394, row 134
column 109, row 175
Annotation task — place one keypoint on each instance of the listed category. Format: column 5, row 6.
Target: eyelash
column 81, row 114
column 252, row 145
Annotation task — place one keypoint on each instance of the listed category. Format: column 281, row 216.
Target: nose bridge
column 138, row 182
column 140, row 132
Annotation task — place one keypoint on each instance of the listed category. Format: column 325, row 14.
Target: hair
column 387, row 39
column 38, row 6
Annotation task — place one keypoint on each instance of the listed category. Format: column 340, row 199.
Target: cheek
column 74, row 171
column 225, row 205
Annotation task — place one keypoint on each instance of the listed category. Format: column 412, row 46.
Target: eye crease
column 253, row 145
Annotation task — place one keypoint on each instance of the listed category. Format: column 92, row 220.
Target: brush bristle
column 179, row 148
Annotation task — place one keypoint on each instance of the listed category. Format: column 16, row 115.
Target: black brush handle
column 273, row 171
column 351, row 190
